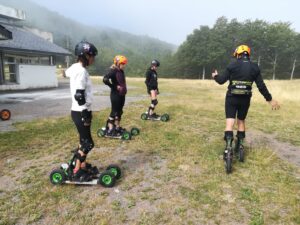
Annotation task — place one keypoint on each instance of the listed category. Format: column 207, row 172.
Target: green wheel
column 164, row 118
column 135, row 131
column 107, row 179
column 167, row 115
column 57, row 176
column 115, row 170
column 100, row 132
column 144, row 116
column 126, row 135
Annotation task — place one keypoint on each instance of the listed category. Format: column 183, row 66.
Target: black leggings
column 237, row 106
column 117, row 104
column 84, row 131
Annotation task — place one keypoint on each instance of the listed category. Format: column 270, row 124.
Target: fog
column 168, row 20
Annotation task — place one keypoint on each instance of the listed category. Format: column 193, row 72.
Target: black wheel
column 5, row 114
column 241, row 154
column 58, row 176
column 135, row 131
column 144, row 116
column 115, row 170
column 164, row 118
column 107, row 179
column 126, row 135
column 228, row 162
column 101, row 132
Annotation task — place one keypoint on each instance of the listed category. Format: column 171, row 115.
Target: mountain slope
column 67, row 32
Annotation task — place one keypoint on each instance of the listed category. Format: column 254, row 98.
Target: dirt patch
column 284, row 150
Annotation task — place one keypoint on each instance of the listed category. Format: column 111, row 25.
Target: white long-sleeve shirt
column 80, row 79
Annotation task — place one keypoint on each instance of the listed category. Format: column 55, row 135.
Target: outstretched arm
column 221, row 79
column 265, row 92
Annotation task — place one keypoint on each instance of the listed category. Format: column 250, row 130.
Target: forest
column 274, row 46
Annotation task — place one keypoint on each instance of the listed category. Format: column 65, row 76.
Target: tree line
column 274, row 46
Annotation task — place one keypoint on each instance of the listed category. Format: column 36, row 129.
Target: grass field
column 173, row 172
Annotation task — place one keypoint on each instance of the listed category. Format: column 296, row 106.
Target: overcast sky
column 170, row 20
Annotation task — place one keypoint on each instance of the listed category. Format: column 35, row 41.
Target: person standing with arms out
column 241, row 74
column 152, row 87
column 81, row 110
column 116, row 80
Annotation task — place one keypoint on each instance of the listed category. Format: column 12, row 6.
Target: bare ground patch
column 284, row 150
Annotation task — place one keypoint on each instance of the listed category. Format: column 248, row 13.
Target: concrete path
column 29, row 105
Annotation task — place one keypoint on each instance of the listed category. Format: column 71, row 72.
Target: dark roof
column 4, row 33
column 25, row 41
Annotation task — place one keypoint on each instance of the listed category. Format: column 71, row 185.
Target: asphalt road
column 56, row 102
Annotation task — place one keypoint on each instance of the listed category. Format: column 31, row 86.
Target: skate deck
column 92, row 182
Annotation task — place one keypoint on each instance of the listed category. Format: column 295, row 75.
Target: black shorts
column 84, row 131
column 237, row 106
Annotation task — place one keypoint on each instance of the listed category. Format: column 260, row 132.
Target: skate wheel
column 164, row 117
column 228, row 162
column 126, row 135
column 144, row 116
column 241, row 154
column 100, row 132
column 57, row 176
column 5, row 114
column 115, row 170
column 135, row 131
column 107, row 179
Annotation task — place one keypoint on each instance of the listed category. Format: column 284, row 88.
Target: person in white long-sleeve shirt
column 81, row 111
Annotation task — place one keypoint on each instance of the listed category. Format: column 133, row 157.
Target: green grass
column 173, row 172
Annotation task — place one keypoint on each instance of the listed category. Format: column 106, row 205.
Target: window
column 10, row 70
column 11, row 62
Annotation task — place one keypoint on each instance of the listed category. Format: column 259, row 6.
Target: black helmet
column 85, row 47
column 155, row 63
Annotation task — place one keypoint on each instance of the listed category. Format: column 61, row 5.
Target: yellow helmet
column 241, row 49
column 120, row 59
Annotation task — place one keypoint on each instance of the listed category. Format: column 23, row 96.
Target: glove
column 86, row 117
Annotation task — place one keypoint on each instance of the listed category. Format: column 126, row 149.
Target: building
column 27, row 56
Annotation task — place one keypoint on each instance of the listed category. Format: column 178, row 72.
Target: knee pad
column 154, row 102
column 80, row 157
column 86, row 146
column 118, row 115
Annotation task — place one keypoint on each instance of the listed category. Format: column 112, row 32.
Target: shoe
column 120, row 130
column 109, row 133
column 92, row 170
column 82, row 176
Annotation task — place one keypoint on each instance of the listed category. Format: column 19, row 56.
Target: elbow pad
column 106, row 80
column 80, row 97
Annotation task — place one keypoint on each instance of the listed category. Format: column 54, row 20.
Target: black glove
column 86, row 117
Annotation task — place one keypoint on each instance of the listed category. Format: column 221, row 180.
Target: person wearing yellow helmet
column 116, row 80
column 241, row 74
